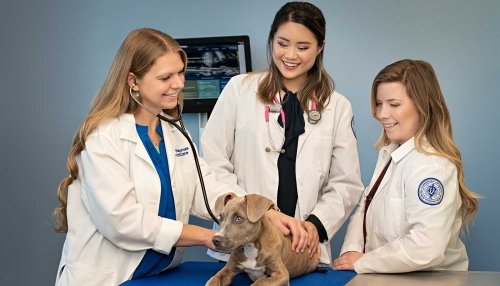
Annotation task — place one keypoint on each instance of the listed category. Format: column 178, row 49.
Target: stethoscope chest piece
column 313, row 116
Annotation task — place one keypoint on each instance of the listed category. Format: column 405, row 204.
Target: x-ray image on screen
column 212, row 61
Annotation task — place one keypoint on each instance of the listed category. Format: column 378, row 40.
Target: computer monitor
column 212, row 61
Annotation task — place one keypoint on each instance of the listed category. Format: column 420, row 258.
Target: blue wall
column 55, row 55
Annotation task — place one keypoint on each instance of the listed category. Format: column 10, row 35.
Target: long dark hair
column 318, row 79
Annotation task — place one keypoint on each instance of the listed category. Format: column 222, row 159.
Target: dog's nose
column 217, row 240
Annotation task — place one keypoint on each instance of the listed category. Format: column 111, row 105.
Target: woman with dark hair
column 287, row 134
column 410, row 216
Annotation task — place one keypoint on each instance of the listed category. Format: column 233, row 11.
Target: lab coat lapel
column 302, row 138
column 396, row 153
column 129, row 132
column 143, row 154
column 388, row 173
column 169, row 133
column 308, row 128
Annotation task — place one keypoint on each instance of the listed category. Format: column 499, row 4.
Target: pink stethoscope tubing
column 313, row 105
column 268, row 109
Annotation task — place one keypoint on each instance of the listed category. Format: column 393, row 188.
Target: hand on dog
column 192, row 235
column 289, row 225
column 313, row 238
column 347, row 260
column 209, row 243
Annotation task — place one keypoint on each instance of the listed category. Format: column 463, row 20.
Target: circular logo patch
column 431, row 191
column 352, row 127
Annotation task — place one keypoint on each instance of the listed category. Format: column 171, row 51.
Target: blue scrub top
column 154, row 262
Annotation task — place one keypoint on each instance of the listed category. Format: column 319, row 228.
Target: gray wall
column 55, row 55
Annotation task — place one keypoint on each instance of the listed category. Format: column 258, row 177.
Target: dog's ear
column 222, row 201
column 257, row 206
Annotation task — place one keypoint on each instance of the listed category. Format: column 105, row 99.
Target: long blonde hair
column 421, row 84
column 137, row 54
column 318, row 80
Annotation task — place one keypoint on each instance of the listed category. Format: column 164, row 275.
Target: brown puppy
column 256, row 245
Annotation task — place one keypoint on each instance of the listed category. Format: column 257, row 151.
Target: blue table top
column 198, row 273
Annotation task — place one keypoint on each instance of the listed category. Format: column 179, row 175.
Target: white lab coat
column 113, row 205
column 404, row 232
column 327, row 166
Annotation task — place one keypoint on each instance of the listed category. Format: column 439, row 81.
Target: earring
column 134, row 92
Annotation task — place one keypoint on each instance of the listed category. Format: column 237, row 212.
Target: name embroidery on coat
column 181, row 152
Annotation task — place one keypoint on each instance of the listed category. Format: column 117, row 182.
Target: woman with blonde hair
column 132, row 179
column 411, row 214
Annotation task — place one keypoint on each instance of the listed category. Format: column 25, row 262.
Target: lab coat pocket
column 189, row 179
column 392, row 224
column 75, row 273
column 184, row 178
column 186, row 164
column 322, row 153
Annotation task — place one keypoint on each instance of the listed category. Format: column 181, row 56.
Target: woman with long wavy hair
column 411, row 215
column 132, row 180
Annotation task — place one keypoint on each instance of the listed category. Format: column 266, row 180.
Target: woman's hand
column 209, row 242
column 347, row 260
column 313, row 238
column 289, row 225
column 193, row 235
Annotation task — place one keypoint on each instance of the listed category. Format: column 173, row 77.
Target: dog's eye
column 238, row 219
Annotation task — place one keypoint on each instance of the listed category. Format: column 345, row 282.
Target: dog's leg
column 224, row 277
column 278, row 275
column 277, row 279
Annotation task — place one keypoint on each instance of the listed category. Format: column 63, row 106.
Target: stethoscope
column 275, row 107
column 183, row 131
column 313, row 117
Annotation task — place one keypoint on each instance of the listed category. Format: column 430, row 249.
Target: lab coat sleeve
column 353, row 240
column 108, row 194
column 429, row 226
column 343, row 187
column 217, row 140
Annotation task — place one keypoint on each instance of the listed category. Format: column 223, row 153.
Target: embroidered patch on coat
column 431, row 191
column 353, row 128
